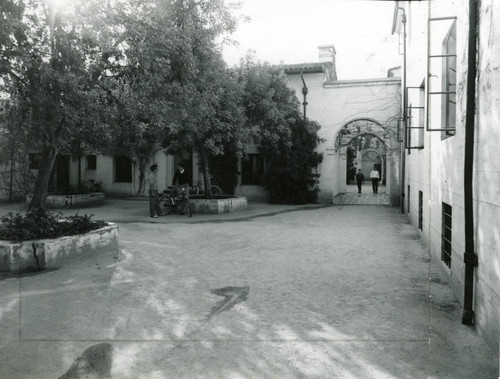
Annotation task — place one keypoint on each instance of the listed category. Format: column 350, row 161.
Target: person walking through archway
column 359, row 180
column 375, row 177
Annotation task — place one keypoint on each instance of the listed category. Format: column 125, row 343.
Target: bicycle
column 200, row 189
column 172, row 198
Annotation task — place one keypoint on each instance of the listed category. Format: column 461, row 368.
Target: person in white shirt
column 375, row 177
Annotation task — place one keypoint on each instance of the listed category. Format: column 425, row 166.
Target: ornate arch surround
column 360, row 127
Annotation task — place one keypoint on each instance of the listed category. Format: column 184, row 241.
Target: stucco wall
column 438, row 169
column 104, row 173
column 333, row 105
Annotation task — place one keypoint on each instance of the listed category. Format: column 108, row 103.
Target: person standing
column 359, row 180
column 183, row 181
column 154, row 199
column 375, row 177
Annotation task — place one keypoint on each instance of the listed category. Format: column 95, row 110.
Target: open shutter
column 415, row 119
column 441, row 74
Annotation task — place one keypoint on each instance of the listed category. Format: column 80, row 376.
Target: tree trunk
column 142, row 174
column 43, row 177
column 206, row 172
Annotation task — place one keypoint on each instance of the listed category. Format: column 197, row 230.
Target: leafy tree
column 47, row 68
column 285, row 141
column 289, row 175
column 206, row 112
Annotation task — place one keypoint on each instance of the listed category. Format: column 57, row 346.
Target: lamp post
column 304, row 92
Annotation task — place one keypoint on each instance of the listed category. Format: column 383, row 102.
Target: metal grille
column 420, row 208
column 446, row 235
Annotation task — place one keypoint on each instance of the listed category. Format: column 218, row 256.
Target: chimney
column 326, row 53
column 327, row 57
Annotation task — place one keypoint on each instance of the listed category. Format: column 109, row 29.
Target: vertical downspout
column 470, row 258
column 405, row 100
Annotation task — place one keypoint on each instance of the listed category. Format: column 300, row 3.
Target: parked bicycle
column 199, row 189
column 174, row 198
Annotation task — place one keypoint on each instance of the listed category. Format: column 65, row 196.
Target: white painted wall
column 104, row 173
column 333, row 105
column 438, row 169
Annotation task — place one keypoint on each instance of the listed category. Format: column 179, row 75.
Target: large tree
column 206, row 112
column 48, row 69
column 287, row 143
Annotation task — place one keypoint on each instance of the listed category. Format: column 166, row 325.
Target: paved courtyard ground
column 274, row 292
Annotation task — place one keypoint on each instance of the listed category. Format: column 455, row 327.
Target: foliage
column 289, row 175
column 270, row 105
column 38, row 223
column 48, row 71
column 16, row 180
column 225, row 171
column 285, row 141
column 85, row 187
column 205, row 113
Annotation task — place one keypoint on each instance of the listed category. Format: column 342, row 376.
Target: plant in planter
column 38, row 223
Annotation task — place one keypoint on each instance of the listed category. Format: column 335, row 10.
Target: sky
column 290, row 31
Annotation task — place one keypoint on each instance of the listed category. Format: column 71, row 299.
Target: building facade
column 359, row 128
column 359, row 125
column 443, row 166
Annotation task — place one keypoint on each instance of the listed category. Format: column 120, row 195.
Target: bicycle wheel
column 215, row 190
column 167, row 204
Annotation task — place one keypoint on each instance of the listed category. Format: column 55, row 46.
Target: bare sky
column 290, row 31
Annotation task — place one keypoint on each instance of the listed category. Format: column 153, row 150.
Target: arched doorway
column 362, row 144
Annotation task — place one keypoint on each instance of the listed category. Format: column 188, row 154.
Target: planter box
column 50, row 253
column 71, row 201
column 224, row 204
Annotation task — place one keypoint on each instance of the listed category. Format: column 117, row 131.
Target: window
column 252, row 169
column 123, row 169
column 415, row 116
column 446, row 234
column 408, row 204
column 420, row 209
column 441, row 76
column 34, row 161
column 449, row 85
column 91, row 162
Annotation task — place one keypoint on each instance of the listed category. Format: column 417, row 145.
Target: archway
column 365, row 143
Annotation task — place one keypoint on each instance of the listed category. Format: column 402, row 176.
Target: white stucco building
column 441, row 160
column 348, row 111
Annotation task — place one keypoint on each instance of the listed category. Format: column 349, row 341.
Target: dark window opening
column 91, row 162
column 252, row 169
column 123, row 169
column 34, row 161
column 446, row 234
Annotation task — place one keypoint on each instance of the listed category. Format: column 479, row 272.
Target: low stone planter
column 219, row 204
column 72, row 201
column 50, row 253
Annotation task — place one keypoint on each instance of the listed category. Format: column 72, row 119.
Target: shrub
column 289, row 174
column 38, row 223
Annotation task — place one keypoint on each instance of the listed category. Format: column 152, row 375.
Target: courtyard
column 314, row 291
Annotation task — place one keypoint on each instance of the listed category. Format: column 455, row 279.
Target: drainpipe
column 470, row 257
column 405, row 106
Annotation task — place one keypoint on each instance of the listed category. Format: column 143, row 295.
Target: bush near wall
column 42, row 224
column 289, row 175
